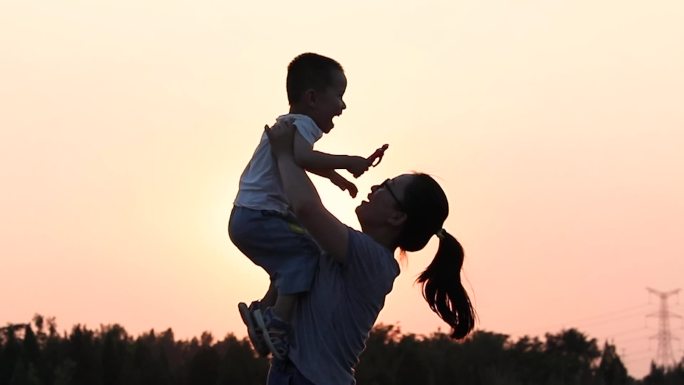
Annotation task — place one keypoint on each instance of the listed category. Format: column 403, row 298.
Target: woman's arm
column 328, row 231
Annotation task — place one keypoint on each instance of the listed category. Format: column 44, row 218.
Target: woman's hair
column 426, row 208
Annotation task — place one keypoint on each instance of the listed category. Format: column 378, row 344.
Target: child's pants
column 277, row 243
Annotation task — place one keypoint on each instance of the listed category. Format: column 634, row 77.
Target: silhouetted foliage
column 30, row 354
column 35, row 354
column 665, row 376
column 611, row 369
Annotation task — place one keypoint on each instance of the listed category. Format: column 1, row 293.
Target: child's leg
column 284, row 306
column 270, row 297
column 288, row 253
column 279, row 245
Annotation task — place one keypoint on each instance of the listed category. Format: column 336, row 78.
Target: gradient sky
column 556, row 128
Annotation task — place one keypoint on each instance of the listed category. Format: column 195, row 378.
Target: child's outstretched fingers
column 349, row 187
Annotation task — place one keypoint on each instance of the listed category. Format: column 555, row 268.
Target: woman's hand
column 281, row 137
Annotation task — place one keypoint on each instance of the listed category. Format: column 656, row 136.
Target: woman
column 332, row 322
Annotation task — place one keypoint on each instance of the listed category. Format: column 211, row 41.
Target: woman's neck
column 384, row 237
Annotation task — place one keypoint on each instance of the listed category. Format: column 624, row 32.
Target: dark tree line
column 36, row 354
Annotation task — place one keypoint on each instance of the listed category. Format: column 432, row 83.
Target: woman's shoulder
column 364, row 249
column 360, row 239
column 370, row 266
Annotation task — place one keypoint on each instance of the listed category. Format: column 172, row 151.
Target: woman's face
column 385, row 202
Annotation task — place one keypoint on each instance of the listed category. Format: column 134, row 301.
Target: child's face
column 329, row 103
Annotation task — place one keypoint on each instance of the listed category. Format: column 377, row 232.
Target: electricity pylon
column 664, row 356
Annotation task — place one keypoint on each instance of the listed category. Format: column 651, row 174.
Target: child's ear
column 310, row 97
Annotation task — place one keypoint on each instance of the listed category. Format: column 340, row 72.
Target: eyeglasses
column 386, row 186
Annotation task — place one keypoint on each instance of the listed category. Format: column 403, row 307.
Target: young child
column 261, row 224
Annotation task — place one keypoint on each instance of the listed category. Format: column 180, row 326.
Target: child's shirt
column 260, row 184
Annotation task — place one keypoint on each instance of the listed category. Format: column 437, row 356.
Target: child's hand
column 344, row 184
column 357, row 165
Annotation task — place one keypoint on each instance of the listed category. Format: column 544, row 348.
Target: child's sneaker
column 275, row 332
column 255, row 336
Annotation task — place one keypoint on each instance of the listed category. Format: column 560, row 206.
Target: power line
column 612, row 318
column 640, row 338
column 640, row 329
column 597, row 318
column 638, row 355
column 608, row 314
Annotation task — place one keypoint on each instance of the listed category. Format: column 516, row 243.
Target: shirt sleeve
column 308, row 129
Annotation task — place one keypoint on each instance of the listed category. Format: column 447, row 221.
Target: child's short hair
column 309, row 71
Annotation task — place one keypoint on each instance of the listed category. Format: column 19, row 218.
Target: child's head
column 315, row 87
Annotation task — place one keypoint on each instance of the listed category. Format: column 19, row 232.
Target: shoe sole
column 264, row 332
column 246, row 316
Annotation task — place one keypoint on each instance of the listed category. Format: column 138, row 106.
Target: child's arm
column 306, row 157
column 338, row 180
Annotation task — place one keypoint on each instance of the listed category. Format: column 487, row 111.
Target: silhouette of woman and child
column 328, row 282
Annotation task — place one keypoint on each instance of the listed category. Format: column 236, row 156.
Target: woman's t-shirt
column 333, row 320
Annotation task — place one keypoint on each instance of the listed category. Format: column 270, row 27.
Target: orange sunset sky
column 555, row 127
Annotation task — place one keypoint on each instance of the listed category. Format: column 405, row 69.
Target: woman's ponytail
column 442, row 288
column 427, row 207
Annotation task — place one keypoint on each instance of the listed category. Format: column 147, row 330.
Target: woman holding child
column 332, row 321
